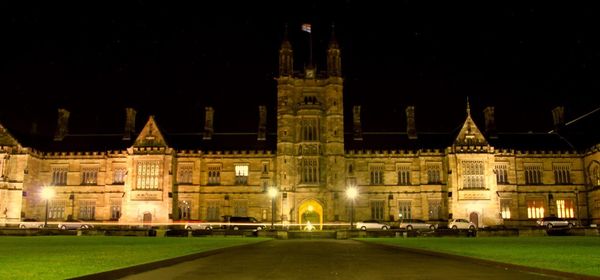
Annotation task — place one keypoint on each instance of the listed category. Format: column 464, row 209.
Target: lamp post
column 47, row 194
column 351, row 193
column 272, row 194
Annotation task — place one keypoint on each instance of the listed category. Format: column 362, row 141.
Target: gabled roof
column 469, row 134
column 6, row 139
column 150, row 136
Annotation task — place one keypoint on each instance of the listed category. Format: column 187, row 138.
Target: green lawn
column 60, row 257
column 577, row 254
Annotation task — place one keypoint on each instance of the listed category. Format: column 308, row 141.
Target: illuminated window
column 310, row 130
column 533, row 174
column 240, row 208
column 535, row 208
column 89, row 176
column 56, row 209
column 434, row 174
column 501, row 173
column 115, row 209
column 404, row 209
column 564, row 208
column 212, row 210
column 119, row 175
column 184, row 208
column 404, row 175
column 309, row 170
column 435, row 209
column 377, row 209
column 595, row 174
column 376, row 172
column 562, row 173
column 241, row 174
column 148, row 174
column 87, row 209
column 505, row 208
column 214, row 175
column 185, row 173
column 473, row 175
column 59, row 176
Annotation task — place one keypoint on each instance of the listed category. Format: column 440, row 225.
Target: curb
column 135, row 269
column 504, row 265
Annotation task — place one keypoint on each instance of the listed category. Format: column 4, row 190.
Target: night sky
column 172, row 60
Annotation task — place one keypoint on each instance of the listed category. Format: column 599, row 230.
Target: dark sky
column 172, row 59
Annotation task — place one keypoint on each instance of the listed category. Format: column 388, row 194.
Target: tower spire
column 286, row 55
column 468, row 107
column 334, row 61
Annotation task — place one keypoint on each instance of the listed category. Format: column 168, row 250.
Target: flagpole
column 310, row 51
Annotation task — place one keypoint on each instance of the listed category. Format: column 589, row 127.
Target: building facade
column 150, row 177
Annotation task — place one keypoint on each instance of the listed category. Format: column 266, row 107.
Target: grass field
column 60, row 257
column 577, row 254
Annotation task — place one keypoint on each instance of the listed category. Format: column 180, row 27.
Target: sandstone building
column 147, row 176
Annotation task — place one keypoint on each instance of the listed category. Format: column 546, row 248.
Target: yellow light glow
column 352, row 192
column 47, row 193
column 273, row 192
column 310, row 208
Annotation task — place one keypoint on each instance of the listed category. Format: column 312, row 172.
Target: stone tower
column 310, row 138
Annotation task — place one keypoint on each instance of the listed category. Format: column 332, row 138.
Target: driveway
column 328, row 259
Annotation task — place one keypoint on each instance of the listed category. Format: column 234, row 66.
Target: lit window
column 241, row 174
column 564, row 208
column 535, row 209
column 505, row 208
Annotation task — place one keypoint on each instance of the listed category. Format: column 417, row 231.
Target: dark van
column 238, row 223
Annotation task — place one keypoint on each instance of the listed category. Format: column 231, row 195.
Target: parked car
column 553, row 221
column 410, row 224
column 74, row 224
column 461, row 224
column 237, row 223
column 202, row 225
column 31, row 223
column 372, row 224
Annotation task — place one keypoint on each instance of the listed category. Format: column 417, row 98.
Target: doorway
column 474, row 218
column 310, row 214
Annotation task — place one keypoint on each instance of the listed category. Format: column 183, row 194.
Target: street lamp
column 351, row 193
column 47, row 194
column 272, row 194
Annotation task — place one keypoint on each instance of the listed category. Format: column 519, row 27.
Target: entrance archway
column 474, row 218
column 310, row 211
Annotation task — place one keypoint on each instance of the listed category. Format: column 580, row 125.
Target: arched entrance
column 147, row 217
column 474, row 218
column 310, row 211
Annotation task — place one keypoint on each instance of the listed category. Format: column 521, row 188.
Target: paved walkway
column 328, row 259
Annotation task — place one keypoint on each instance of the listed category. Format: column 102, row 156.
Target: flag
column 306, row 27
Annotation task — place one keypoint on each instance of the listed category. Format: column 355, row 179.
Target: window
column 119, row 175
column 562, row 173
column 533, row 174
column 505, row 208
column 87, row 209
column 376, row 172
column 212, row 210
column 184, row 208
column 501, row 173
column 59, row 176
column 185, row 173
column 310, row 130
column 564, row 208
column 473, row 174
column 115, row 209
column 350, row 169
column 434, row 174
column 595, row 174
column 3, row 162
column 89, row 176
column 241, row 174
column 309, row 170
column 435, row 209
column 148, row 174
column 265, row 168
column 404, row 209
column 404, row 175
column 377, row 209
column 535, row 208
column 56, row 209
column 240, row 208
column 214, row 175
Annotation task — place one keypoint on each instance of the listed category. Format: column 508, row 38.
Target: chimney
column 490, row 121
column 558, row 116
column 208, row 123
column 411, row 128
column 129, row 123
column 357, row 132
column 262, row 123
column 62, row 126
